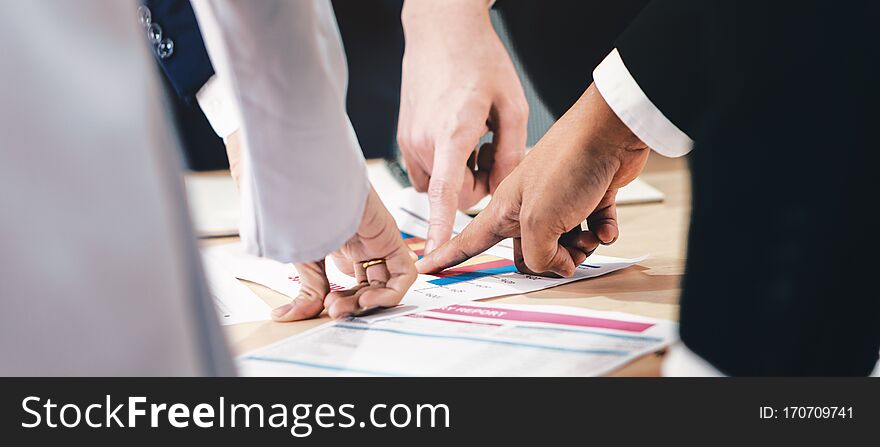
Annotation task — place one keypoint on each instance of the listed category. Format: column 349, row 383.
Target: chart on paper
column 485, row 273
column 484, row 276
column 490, row 274
column 474, row 339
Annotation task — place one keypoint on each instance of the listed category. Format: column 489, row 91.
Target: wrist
column 602, row 138
column 417, row 12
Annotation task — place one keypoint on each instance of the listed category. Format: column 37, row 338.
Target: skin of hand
column 381, row 285
column 233, row 153
column 574, row 171
column 377, row 237
column 458, row 83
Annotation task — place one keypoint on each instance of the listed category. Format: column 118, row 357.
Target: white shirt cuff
column 632, row 106
column 682, row 362
column 216, row 100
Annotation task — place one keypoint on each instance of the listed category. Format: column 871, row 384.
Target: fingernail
column 430, row 246
column 608, row 242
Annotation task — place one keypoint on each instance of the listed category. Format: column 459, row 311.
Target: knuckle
column 458, row 136
column 441, row 190
column 531, row 221
column 412, row 142
column 516, row 109
column 508, row 210
column 439, row 225
column 536, row 263
column 520, row 111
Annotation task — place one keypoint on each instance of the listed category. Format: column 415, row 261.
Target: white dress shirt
column 218, row 104
column 304, row 181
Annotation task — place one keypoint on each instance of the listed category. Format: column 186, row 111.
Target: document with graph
column 488, row 275
column 484, row 276
column 473, row 339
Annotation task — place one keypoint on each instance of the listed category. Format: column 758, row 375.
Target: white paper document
column 474, row 339
column 638, row 191
column 487, row 275
column 235, row 303
column 214, row 204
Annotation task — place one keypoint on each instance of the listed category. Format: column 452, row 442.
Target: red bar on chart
column 544, row 317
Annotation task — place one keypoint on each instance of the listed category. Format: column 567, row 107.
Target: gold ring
column 369, row 264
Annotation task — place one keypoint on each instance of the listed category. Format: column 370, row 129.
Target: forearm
column 419, row 9
column 457, row 14
column 286, row 67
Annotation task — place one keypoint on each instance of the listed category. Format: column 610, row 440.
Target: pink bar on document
column 428, row 317
column 544, row 317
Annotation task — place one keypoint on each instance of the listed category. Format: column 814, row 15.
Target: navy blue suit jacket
column 184, row 72
column 373, row 39
column 189, row 67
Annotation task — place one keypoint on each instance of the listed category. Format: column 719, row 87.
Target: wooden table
column 650, row 288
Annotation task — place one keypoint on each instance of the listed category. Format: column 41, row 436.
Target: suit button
column 145, row 16
column 154, row 33
column 165, row 48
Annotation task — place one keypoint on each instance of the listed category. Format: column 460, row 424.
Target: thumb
column 603, row 220
column 542, row 252
column 309, row 303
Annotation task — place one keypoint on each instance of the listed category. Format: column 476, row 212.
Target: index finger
column 476, row 238
column 447, row 178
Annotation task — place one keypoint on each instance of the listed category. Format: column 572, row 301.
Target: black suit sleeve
column 780, row 256
column 663, row 51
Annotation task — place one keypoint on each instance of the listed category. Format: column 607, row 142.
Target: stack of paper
column 477, row 339
column 213, row 203
column 235, row 303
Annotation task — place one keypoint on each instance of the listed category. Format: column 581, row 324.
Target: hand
column 233, row 153
column 458, row 83
column 574, row 171
column 380, row 285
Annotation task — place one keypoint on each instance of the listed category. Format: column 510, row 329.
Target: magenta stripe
column 544, row 317
column 428, row 317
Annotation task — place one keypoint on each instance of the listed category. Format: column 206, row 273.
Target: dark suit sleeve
column 189, row 67
column 662, row 51
column 776, row 97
